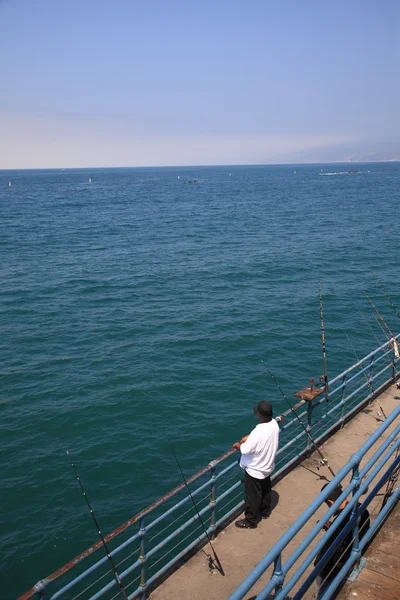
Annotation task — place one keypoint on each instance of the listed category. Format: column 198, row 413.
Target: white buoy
column 230, row 174
column 179, row 176
column 294, row 172
column 9, row 184
column 90, row 180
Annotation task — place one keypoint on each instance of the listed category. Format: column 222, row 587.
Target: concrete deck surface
column 240, row 550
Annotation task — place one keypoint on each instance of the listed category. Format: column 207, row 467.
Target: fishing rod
column 395, row 343
column 365, row 375
column 324, row 460
column 376, row 337
column 378, row 322
column 388, row 298
column 370, row 328
column 114, row 569
column 381, row 326
column 325, row 377
column 219, row 566
column 379, row 314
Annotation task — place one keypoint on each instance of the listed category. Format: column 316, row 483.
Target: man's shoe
column 266, row 516
column 243, row 524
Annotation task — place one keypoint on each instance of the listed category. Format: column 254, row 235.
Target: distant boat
column 90, row 180
column 179, row 177
column 294, row 172
column 230, row 174
column 9, row 184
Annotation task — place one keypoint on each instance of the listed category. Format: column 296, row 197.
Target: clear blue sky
column 122, row 82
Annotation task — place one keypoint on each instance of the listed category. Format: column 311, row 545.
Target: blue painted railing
column 368, row 479
column 155, row 541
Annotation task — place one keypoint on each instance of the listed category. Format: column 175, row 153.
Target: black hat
column 263, row 410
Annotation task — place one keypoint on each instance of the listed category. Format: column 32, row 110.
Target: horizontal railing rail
column 376, row 472
column 147, row 547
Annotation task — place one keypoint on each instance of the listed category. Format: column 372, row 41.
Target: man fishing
column 258, row 451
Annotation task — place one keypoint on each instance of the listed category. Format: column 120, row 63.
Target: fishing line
column 388, row 298
column 358, row 360
column 381, row 328
column 373, row 333
column 394, row 342
column 366, row 376
column 377, row 339
column 116, row 576
column 370, row 328
column 324, row 460
column 379, row 314
column 219, row 566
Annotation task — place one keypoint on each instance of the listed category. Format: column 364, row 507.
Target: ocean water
column 136, row 301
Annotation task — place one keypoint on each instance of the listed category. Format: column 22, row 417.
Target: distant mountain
column 374, row 156
column 349, row 153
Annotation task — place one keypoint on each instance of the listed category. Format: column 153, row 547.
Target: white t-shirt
column 259, row 450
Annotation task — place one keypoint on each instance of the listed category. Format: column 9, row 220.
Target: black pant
column 258, row 498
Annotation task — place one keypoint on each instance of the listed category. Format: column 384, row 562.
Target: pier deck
column 380, row 578
column 240, row 550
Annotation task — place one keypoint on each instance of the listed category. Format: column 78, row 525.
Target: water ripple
column 138, row 301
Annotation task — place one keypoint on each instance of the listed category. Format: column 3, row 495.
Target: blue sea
column 133, row 300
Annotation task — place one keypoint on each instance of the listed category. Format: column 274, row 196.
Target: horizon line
column 332, row 162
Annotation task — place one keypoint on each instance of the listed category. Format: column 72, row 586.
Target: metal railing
column 157, row 540
column 376, row 472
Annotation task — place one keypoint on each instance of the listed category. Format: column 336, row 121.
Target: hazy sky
column 126, row 83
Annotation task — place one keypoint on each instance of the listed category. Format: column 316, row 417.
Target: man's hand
column 281, row 419
column 244, row 439
column 236, row 446
column 327, row 525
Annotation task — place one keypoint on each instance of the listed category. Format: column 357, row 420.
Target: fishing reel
column 214, row 564
column 322, row 463
column 210, row 561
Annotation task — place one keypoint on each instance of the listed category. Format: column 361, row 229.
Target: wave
column 344, row 173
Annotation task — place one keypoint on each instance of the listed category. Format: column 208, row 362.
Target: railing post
column 344, row 383
column 309, row 424
column 371, row 378
column 213, row 504
column 355, row 550
column 277, row 574
column 142, row 557
column 40, row 587
column 394, row 365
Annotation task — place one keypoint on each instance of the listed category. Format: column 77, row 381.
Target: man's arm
column 250, row 444
column 237, row 445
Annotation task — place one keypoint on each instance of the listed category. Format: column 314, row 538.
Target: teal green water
column 138, row 300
